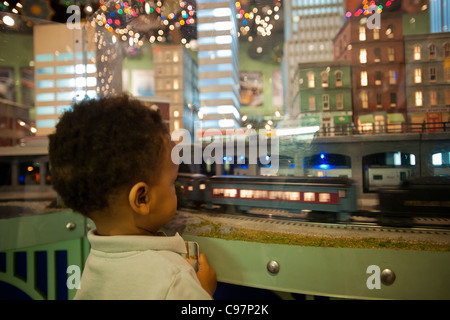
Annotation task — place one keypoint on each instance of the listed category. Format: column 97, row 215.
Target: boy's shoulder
column 142, row 250
column 153, row 272
column 133, row 243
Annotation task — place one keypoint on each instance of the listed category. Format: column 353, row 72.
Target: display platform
column 36, row 250
column 333, row 272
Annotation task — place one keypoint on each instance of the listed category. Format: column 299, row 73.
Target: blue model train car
column 292, row 194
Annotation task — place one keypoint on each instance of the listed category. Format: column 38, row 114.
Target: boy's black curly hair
column 103, row 145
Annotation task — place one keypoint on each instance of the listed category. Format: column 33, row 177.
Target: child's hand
column 206, row 274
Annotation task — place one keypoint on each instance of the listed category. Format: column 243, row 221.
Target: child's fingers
column 202, row 259
column 190, row 262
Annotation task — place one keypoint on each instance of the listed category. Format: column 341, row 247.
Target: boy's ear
column 139, row 198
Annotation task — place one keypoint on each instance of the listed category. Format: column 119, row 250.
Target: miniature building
column 427, row 60
column 71, row 65
column 440, row 16
column 218, row 66
column 14, row 118
column 16, row 88
column 326, row 96
column 176, row 79
column 377, row 60
column 309, row 31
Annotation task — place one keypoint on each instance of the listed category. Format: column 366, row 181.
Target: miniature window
column 311, row 83
column 284, row 195
column 378, row 78
column 230, row 193
column 45, row 97
column 418, row 98
column 365, row 127
column 363, row 56
column 338, row 78
column 46, row 123
column 364, row 100
column 417, row 54
column 326, row 102
column 339, row 101
column 312, row 103
column 417, row 75
column 46, row 70
column 376, row 34
column 447, row 50
column 309, row 196
column 293, row 196
column 175, row 57
column 393, row 98
column 275, row 195
column 364, row 78
column 391, row 54
column 432, row 51
column 324, row 79
column 379, row 122
column 379, row 100
column 248, row 194
column 45, row 110
column 45, row 84
column 260, row 194
column 432, row 74
column 433, row 97
column 324, row 197
column 392, row 77
column 377, row 55
column 362, row 33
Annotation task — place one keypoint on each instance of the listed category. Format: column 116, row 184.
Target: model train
column 415, row 197
column 290, row 194
column 426, row 197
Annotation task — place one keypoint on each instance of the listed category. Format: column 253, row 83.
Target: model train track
column 277, row 220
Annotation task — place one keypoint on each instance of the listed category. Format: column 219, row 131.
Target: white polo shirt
column 138, row 268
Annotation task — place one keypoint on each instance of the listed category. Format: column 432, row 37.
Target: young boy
column 110, row 160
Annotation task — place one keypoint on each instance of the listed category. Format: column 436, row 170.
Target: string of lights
column 119, row 16
column 368, row 8
column 254, row 21
column 165, row 16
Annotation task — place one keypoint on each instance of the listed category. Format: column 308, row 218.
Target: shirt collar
column 126, row 243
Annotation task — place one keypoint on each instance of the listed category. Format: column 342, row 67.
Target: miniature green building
column 325, row 97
